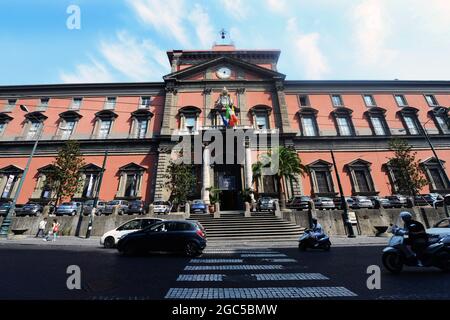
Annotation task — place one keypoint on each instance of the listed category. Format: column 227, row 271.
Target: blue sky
column 126, row 40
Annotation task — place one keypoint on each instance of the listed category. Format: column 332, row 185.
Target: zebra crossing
column 251, row 274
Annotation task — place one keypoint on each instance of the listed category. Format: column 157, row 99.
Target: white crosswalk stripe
column 263, row 255
column 216, row 261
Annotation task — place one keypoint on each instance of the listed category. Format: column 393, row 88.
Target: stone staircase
column 233, row 225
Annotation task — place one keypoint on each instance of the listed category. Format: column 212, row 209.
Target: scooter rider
column 417, row 236
column 317, row 230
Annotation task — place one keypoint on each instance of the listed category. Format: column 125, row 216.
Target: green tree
column 408, row 173
column 180, row 181
column 64, row 178
column 289, row 167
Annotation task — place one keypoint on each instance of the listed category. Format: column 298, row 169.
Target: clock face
column 223, row 73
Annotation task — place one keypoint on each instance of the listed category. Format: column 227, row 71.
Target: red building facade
column 136, row 123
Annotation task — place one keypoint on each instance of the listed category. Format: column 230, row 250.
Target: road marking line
column 259, row 293
column 288, row 276
column 278, row 260
column 236, row 267
column 200, row 277
column 263, row 255
column 216, row 261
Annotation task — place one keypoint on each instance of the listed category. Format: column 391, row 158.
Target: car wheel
column 73, row 213
column 99, row 213
column 109, row 243
column 393, row 262
column 191, row 250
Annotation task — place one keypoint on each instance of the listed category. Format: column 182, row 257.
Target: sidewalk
column 337, row 241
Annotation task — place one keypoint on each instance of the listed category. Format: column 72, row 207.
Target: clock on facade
column 223, row 73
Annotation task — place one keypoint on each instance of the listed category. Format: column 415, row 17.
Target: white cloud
column 88, row 73
column 238, row 9
column 166, row 16
column 372, row 27
column 307, row 51
column 277, row 6
column 138, row 60
column 204, row 30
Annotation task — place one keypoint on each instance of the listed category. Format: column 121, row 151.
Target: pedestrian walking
column 55, row 229
column 41, row 228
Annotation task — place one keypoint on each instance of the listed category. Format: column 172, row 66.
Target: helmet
column 405, row 215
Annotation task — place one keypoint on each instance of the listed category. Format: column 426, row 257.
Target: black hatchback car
column 169, row 236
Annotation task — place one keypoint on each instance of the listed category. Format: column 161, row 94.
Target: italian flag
column 230, row 116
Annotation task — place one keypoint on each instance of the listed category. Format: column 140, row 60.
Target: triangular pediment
column 11, row 169
column 132, row 167
column 91, row 167
column 320, row 163
column 359, row 162
column 252, row 71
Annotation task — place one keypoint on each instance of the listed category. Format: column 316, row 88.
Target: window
column 400, row 99
column 303, row 100
column 142, row 128
column 411, row 124
column 431, row 100
column 33, row 130
column 359, row 172
column 321, row 181
column 110, row 103
column 344, row 128
column 441, row 121
column 437, row 177
column 309, row 126
column 11, row 180
column 2, row 127
column 145, row 102
column 76, row 103
column 67, row 130
column 44, row 102
column 261, row 120
column 89, row 185
column 190, row 121
column 131, row 187
column 369, row 101
column 337, row 100
column 130, row 183
column 10, row 104
column 105, row 128
column 378, row 126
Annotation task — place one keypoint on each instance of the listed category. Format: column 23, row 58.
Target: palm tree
column 289, row 166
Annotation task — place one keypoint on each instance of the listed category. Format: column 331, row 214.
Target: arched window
column 441, row 119
column 436, row 176
column 67, row 124
column 261, row 116
column 189, row 119
column 104, row 123
column 377, row 121
column 140, row 124
column 343, row 121
column 33, row 125
column 410, row 120
column 4, row 119
column 308, row 121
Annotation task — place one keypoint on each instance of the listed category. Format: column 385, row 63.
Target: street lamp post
column 6, row 224
column 344, row 206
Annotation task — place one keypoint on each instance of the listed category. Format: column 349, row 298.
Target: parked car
column 362, row 202
column 174, row 236
column 442, row 228
column 162, row 207
column 398, row 201
column 434, row 199
column 299, row 203
column 266, row 204
column 383, row 201
column 88, row 205
column 420, row 201
column 110, row 238
column 324, row 203
column 338, row 204
column 68, row 208
column 30, row 209
column 199, row 206
column 137, row 207
column 121, row 204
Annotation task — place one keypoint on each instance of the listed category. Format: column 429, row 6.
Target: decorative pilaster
column 206, row 173
column 248, row 166
column 242, row 104
column 169, row 109
column 283, row 116
column 161, row 193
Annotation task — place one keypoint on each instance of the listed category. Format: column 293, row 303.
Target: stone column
column 206, row 174
column 242, row 104
column 248, row 166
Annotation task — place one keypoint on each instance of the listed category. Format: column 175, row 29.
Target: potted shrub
column 214, row 197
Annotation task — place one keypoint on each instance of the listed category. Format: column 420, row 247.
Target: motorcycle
column 397, row 254
column 308, row 240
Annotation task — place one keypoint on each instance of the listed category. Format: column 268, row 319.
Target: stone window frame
column 65, row 117
column 5, row 172
column 308, row 101
column 322, row 166
column 107, row 104
column 33, row 117
column 381, row 113
column 189, row 110
column 431, row 163
column 4, row 119
column 38, row 190
column 261, row 109
column 104, row 115
column 136, row 116
column 403, row 98
column 433, row 114
column 43, row 106
column 9, row 107
column 411, row 112
column 433, row 97
column 360, row 164
column 347, row 113
column 308, row 112
column 340, row 99
column 372, row 98
column 123, row 172
column 90, row 168
column 73, row 105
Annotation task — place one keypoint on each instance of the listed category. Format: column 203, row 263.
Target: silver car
column 68, row 208
column 162, row 207
column 88, row 205
column 121, row 204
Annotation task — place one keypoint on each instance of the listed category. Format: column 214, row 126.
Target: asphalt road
column 39, row 272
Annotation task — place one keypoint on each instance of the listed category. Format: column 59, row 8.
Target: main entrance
column 228, row 179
